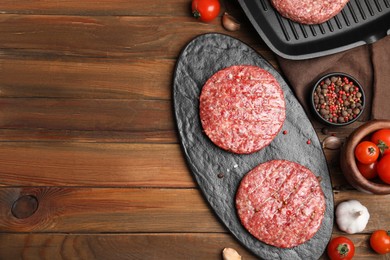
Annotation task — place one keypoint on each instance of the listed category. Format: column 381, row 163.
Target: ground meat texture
column 242, row 108
column 281, row 203
column 309, row 11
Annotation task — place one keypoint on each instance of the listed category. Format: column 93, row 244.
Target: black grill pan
column 360, row 22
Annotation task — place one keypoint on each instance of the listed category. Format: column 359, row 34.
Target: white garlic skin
column 351, row 216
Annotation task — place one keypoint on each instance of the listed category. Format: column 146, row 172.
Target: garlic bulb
column 351, row 216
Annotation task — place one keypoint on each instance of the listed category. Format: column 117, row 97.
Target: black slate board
column 199, row 60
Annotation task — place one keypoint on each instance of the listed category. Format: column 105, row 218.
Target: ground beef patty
column 242, row 108
column 281, row 203
column 309, row 11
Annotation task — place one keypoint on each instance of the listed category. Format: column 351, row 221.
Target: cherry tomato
column 340, row 248
column 205, row 10
column 380, row 241
column 383, row 168
column 367, row 152
column 382, row 139
column 368, row 170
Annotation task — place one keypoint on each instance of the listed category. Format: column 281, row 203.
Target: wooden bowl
column 348, row 163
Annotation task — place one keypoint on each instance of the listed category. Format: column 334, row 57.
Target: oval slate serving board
column 199, row 60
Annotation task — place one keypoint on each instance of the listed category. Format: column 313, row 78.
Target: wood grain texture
column 87, row 128
column 105, row 36
column 86, row 114
column 135, row 246
column 98, row 210
column 88, row 78
column 93, row 164
column 121, row 246
column 64, row 135
column 72, row 209
column 104, row 7
column 72, row 160
column 75, row 159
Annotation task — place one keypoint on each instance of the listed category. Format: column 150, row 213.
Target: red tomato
column 205, row 10
column 367, row 152
column 382, row 139
column 368, row 170
column 380, row 241
column 383, row 168
column 340, row 248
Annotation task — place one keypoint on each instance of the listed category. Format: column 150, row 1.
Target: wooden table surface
column 90, row 161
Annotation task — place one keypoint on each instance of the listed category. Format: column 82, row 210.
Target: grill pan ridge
column 360, row 22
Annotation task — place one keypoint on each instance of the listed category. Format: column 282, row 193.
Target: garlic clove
column 230, row 23
column 230, row 254
column 332, row 142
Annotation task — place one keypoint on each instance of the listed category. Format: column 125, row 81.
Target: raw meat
column 242, row 108
column 281, row 203
column 309, row 11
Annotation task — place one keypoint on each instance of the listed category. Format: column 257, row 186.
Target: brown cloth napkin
column 369, row 64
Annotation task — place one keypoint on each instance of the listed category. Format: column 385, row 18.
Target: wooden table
column 90, row 161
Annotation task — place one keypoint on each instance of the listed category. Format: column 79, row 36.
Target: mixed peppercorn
column 338, row 99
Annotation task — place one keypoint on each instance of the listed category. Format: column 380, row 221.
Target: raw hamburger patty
column 281, row 203
column 242, row 108
column 309, row 11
